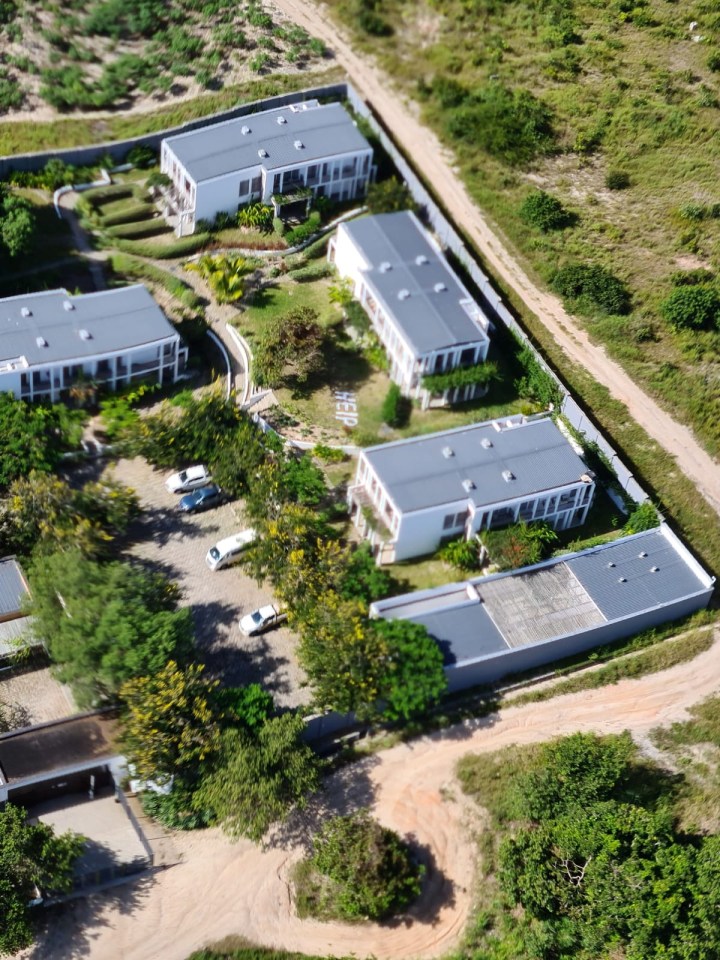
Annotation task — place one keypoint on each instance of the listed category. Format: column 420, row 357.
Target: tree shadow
column 437, row 892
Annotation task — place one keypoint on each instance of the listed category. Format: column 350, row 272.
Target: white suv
column 186, row 480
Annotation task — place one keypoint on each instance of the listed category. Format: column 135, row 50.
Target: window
column 243, row 188
column 366, row 164
column 467, row 357
column 439, row 363
column 587, row 493
column 454, row 520
column 256, row 185
column 187, row 186
column 449, row 521
column 326, row 171
column 277, row 179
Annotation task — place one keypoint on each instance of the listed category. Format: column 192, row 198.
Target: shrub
column 165, row 251
column 141, row 156
column 304, row 230
column 519, row 545
column 367, row 871
column 617, row 180
column 138, row 229
column 713, row 61
column 396, row 408
column 592, row 286
column 315, row 271
column 328, row 454
column 542, row 210
column 390, row 196
column 480, row 374
column 643, row 517
column 691, row 278
column 138, row 211
column 278, row 227
column 692, row 307
column 463, row 554
column 125, row 265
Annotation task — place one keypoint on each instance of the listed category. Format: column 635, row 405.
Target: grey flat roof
column 13, row 588
column 566, row 596
column 430, row 318
column 416, row 473
column 324, row 130
column 115, row 319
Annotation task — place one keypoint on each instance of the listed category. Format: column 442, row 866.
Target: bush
column 315, row 271
column 138, row 229
column 328, row 454
column 304, row 230
column 278, row 226
column 141, row 156
column 713, row 61
column 463, row 554
column 367, row 871
column 519, row 545
column 617, row 180
column 542, row 210
column 592, row 286
column 390, row 196
column 125, row 265
column 138, row 211
column 396, row 408
column 643, row 517
column 692, row 307
column 165, row 251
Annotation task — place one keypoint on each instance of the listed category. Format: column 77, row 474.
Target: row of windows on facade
column 307, row 176
column 529, row 509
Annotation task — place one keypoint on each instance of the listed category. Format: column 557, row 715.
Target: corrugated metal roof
column 417, row 474
column 115, row 320
column 431, row 316
column 325, row 131
column 13, row 588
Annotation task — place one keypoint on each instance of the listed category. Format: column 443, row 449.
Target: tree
column 170, row 722
column 643, row 517
column 362, row 579
column 413, row 678
column 17, row 224
column 302, row 481
column 390, row 196
column 32, row 437
column 367, row 871
column 224, row 274
column 261, row 777
column 106, row 623
column 31, row 858
column 542, row 210
column 692, row 307
column 396, row 408
column 290, row 347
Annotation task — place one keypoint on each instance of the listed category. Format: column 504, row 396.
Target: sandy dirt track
column 432, row 160
column 220, row 888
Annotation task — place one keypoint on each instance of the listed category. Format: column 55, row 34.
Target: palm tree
column 225, row 275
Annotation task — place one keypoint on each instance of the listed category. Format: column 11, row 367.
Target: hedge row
column 125, row 265
column 142, row 228
column 114, row 191
column 138, row 211
column 165, row 251
column 315, row 271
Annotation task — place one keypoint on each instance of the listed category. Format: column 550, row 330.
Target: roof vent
column 468, row 485
column 68, row 305
column 508, row 475
column 421, row 259
column 403, row 294
column 611, row 563
column 643, row 553
column 85, row 334
column 41, row 341
column 654, row 569
column 299, row 145
column 448, row 452
column 281, row 120
column 586, row 478
column 486, row 442
column 385, row 267
column 26, row 312
column 439, row 287
column 244, row 129
column 622, row 579
column 262, row 152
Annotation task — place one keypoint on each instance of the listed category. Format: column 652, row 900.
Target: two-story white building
column 411, row 496
column 422, row 314
column 52, row 340
column 303, row 146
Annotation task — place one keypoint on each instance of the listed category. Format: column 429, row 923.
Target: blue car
column 203, row 499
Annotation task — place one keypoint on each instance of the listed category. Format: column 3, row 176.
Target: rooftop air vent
column 421, row 259
column 439, row 287
column 468, row 485
column 486, row 442
column 586, row 478
column 622, row 579
column 508, row 475
column 299, row 145
column 403, row 294
column 26, row 312
column 244, row 129
column 385, row 267
column 41, row 341
column 85, row 334
column 262, row 152
column 281, row 120
column 642, row 554
column 611, row 563
column 654, row 569
column 448, row 452
column 68, row 305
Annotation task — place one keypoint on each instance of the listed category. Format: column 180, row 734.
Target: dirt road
column 221, row 889
column 432, row 160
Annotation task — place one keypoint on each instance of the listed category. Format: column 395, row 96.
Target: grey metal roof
column 632, row 583
column 325, row 131
column 416, row 473
column 430, row 318
column 13, row 588
column 463, row 633
column 16, row 635
column 115, row 320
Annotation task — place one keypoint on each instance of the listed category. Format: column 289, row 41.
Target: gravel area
column 35, row 696
column 177, row 544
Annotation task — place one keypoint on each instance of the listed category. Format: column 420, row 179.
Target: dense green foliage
column 591, row 287
column 17, row 225
column 32, row 858
column 396, row 408
column 389, row 196
column 33, row 436
column 290, row 348
column 519, row 545
column 544, row 211
column 462, row 554
column 104, row 624
column 367, row 871
column 480, row 374
column 643, row 517
column 692, row 307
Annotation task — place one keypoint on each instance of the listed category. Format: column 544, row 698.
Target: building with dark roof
column 263, row 156
column 51, row 340
column 423, row 315
column 412, row 495
column 488, row 627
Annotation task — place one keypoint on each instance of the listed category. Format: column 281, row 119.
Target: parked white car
column 185, row 480
column 227, row 551
column 260, row 620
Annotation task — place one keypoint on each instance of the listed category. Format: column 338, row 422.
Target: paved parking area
column 177, row 544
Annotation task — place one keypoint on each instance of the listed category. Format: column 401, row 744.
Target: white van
column 228, row 550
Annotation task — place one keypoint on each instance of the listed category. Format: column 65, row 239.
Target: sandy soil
column 220, row 888
column 433, row 161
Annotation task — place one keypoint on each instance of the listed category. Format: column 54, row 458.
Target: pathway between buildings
column 219, row 888
column 434, row 163
column 95, row 258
